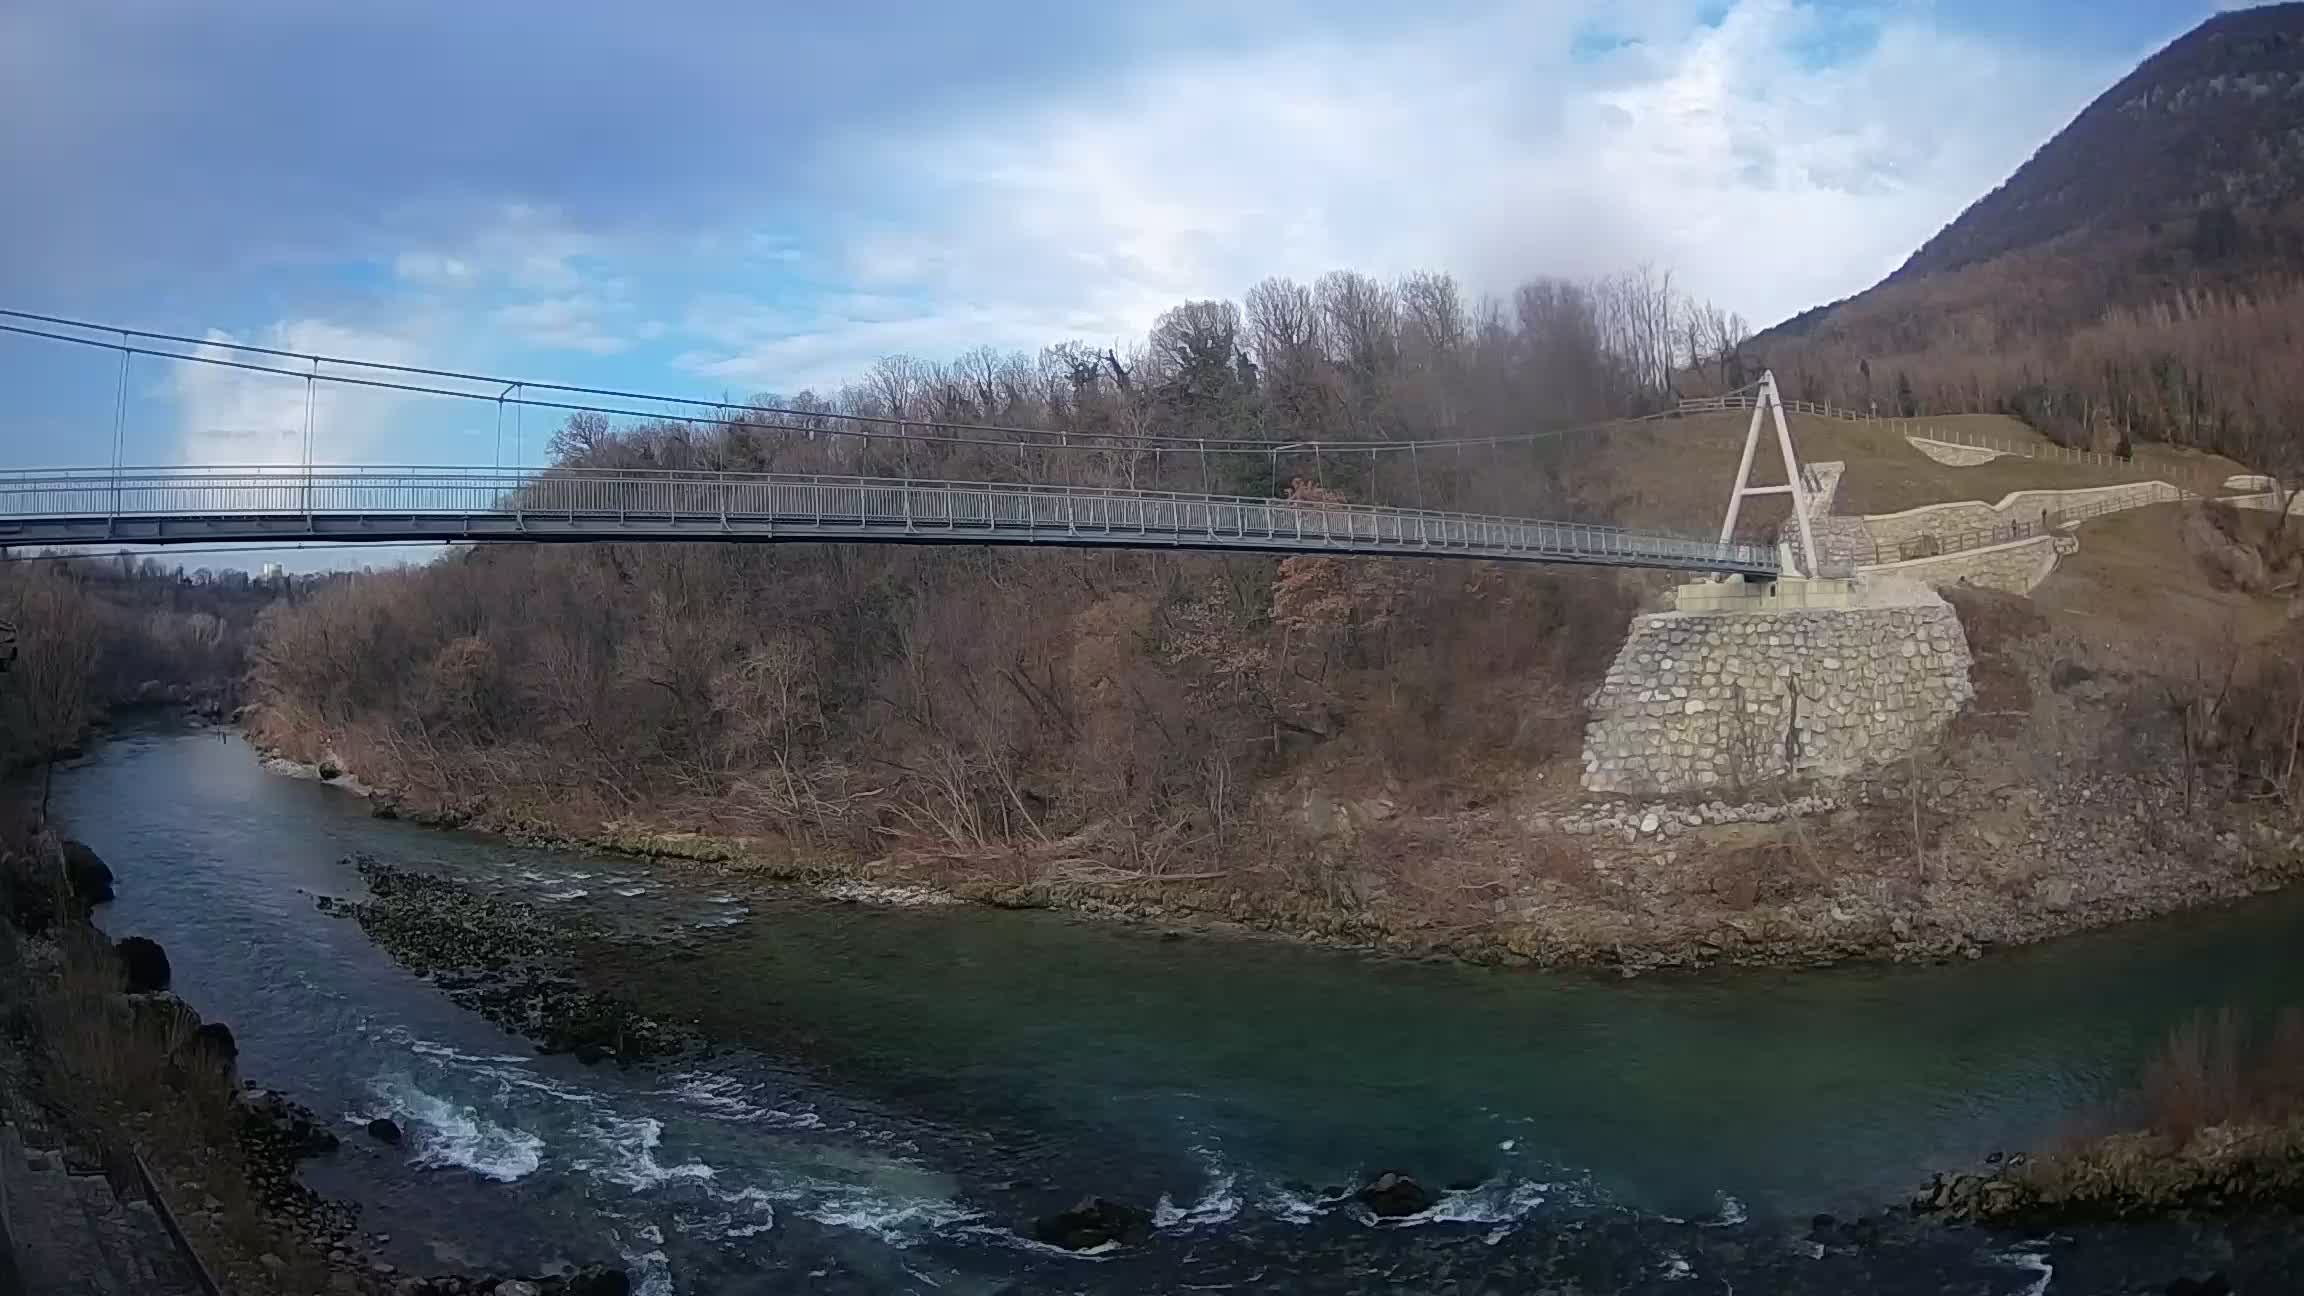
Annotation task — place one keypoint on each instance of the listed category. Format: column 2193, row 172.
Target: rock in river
column 1092, row 1223
column 384, row 1130
column 145, row 964
column 1391, row 1195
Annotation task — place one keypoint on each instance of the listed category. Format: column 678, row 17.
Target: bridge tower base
column 1746, row 684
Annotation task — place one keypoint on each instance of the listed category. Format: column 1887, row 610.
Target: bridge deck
column 386, row 505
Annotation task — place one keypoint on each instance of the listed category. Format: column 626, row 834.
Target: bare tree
column 1284, row 335
column 47, row 689
column 1361, row 324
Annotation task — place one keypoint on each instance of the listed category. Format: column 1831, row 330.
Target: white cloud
column 530, row 248
column 564, row 323
column 238, row 417
column 1488, row 148
column 536, row 279
column 431, row 269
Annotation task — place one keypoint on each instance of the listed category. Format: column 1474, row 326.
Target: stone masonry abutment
column 1722, row 699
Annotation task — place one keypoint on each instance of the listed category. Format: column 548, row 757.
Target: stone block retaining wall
column 2017, row 567
column 1888, row 530
column 1698, row 701
column 1955, row 456
column 1968, row 516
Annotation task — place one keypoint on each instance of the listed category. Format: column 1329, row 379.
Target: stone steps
column 74, row 1236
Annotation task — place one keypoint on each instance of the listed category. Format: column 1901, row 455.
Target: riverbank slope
column 2063, row 800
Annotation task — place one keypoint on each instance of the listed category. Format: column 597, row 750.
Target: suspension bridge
column 1030, row 486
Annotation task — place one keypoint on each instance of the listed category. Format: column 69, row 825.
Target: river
column 897, row 1093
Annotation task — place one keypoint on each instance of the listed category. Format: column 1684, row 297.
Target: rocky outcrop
column 280, row 1126
column 212, row 1043
column 157, row 1017
column 87, row 874
column 144, row 964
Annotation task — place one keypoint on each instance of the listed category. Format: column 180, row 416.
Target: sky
column 726, row 197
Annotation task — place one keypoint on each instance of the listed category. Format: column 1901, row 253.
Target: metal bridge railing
column 756, row 503
column 1746, row 400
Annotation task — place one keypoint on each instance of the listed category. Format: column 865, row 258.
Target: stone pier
column 1744, row 684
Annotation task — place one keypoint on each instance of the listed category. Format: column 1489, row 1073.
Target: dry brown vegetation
column 2224, row 1069
column 96, row 633
column 2217, row 1121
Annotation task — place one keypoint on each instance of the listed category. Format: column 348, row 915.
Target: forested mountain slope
column 2136, row 278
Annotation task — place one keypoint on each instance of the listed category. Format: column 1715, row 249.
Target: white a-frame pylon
column 1765, row 403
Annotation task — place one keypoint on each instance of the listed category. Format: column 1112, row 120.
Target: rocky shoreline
column 1608, row 884
column 225, row 1151
column 2129, row 1175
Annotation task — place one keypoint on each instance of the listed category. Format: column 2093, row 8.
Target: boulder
column 90, row 878
column 2055, row 894
column 144, row 963
column 284, row 1127
column 384, row 1130
column 330, row 770
column 1092, row 1223
column 1391, row 1195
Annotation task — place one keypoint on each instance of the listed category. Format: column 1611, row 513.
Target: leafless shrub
column 2220, row 1069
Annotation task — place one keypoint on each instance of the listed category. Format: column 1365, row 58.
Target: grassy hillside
column 1676, row 473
